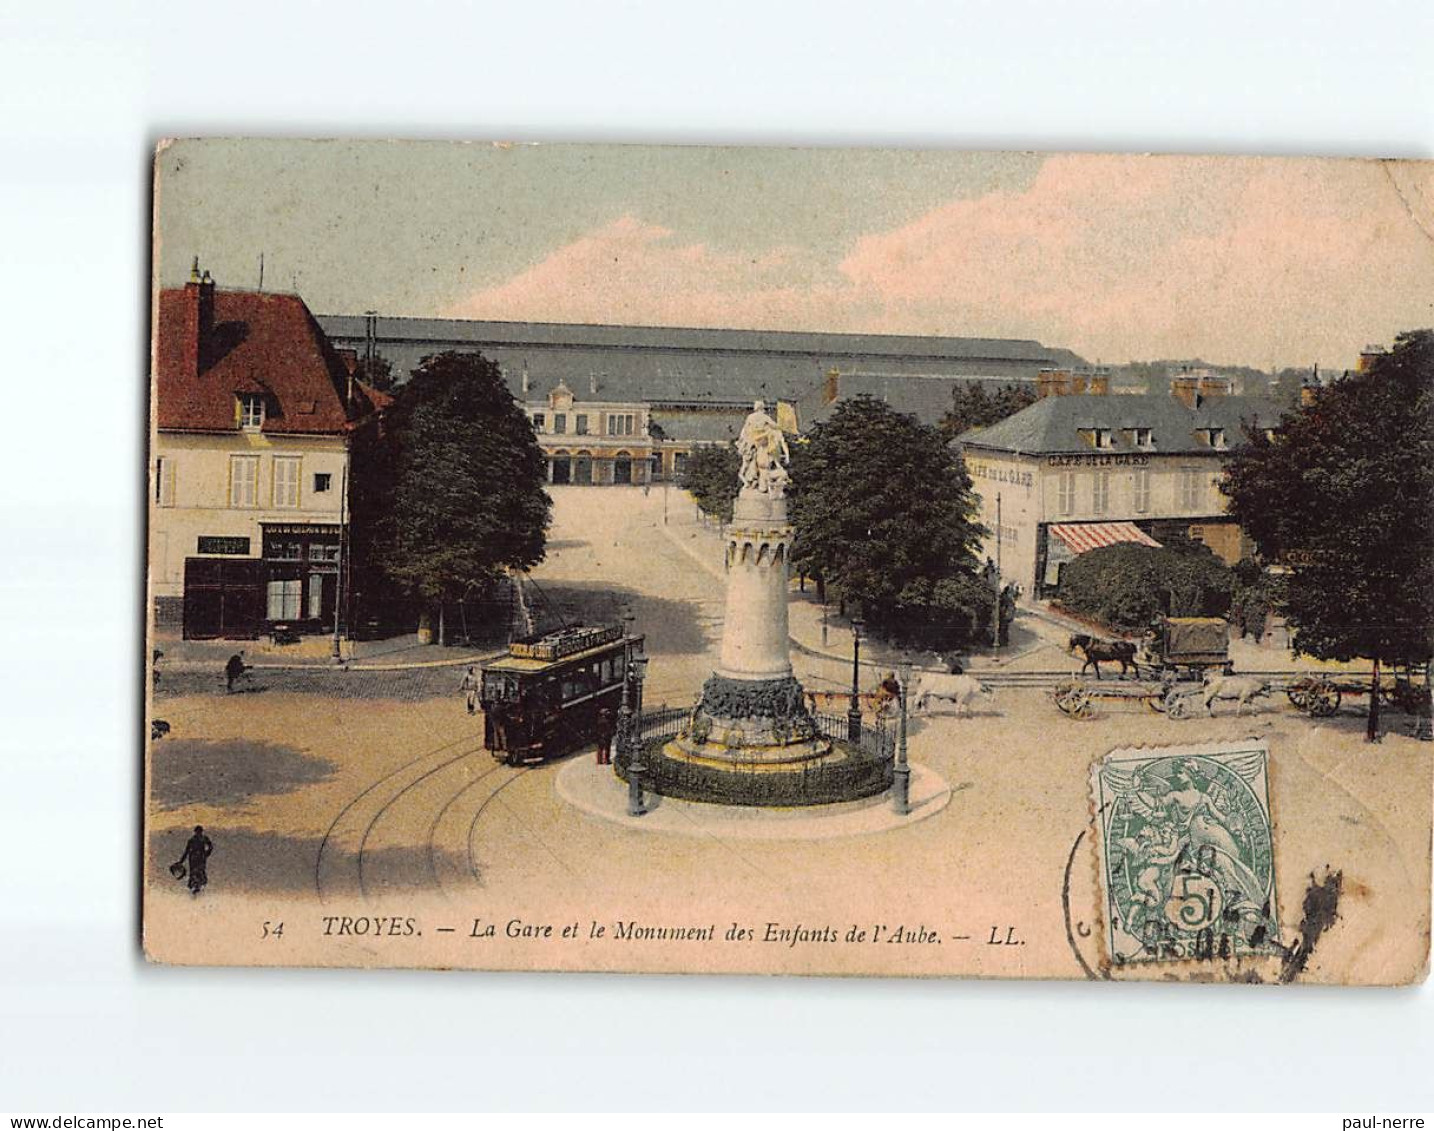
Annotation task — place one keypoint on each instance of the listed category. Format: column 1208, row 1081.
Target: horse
column 1097, row 651
column 1241, row 688
column 958, row 690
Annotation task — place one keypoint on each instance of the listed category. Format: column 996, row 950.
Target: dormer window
column 1102, row 438
column 251, row 411
column 1214, row 437
column 1142, row 438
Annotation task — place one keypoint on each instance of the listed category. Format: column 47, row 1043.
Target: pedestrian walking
column 196, row 858
column 606, row 728
column 469, row 687
column 234, row 670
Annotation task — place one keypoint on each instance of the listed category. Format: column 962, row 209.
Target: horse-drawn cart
column 1174, row 650
column 1187, row 647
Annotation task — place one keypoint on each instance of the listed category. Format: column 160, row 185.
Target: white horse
column 958, row 690
column 1241, row 688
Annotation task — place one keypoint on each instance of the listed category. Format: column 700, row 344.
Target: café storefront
column 301, row 564
column 292, row 586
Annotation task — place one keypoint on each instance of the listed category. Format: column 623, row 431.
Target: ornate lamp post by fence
column 853, row 715
column 632, row 691
column 901, row 774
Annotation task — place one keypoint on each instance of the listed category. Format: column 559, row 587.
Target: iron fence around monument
column 665, row 722
column 754, row 783
column 877, row 739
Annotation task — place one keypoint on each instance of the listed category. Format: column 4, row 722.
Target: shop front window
column 284, row 597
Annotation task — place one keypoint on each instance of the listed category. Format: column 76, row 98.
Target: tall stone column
column 754, row 638
column 751, row 740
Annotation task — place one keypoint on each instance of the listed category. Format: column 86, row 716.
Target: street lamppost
column 901, row 773
column 853, row 715
column 636, row 671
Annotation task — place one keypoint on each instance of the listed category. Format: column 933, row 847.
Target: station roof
column 685, row 364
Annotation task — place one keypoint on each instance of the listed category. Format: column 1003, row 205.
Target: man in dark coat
column 196, row 857
column 606, row 728
column 233, row 670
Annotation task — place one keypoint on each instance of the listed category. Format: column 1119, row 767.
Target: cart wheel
column 1155, row 703
column 1073, row 701
column 1324, row 699
column 1299, row 694
column 1176, row 706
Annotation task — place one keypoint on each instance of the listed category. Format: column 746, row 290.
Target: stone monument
column 751, row 739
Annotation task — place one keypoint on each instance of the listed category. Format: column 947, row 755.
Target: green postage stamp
column 1186, row 853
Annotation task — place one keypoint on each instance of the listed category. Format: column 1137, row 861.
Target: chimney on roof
column 1211, row 385
column 1186, row 389
column 1098, row 384
column 592, row 382
column 198, row 317
column 832, row 389
column 527, row 384
column 1053, row 383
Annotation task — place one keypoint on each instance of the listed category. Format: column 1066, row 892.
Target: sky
column 1268, row 262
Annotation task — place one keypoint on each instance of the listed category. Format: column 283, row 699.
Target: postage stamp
column 1186, row 852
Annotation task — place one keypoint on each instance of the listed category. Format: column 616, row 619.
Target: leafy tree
column 1342, row 496
column 378, row 376
column 973, row 406
column 1127, row 585
column 448, row 490
column 711, row 478
column 883, row 510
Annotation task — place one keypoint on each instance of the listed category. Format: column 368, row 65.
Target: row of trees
column 711, row 478
column 1341, row 499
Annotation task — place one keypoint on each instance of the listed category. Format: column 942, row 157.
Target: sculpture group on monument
column 750, row 739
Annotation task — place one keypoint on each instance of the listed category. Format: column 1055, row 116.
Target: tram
column 542, row 699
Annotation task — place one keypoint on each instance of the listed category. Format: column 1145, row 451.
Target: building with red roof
column 252, row 412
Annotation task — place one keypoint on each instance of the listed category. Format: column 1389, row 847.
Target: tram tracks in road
column 387, row 806
column 478, row 816
column 327, row 849
column 445, row 809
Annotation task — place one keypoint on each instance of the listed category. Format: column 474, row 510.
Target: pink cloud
column 1116, row 257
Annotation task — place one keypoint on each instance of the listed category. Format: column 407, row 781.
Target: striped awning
column 1083, row 536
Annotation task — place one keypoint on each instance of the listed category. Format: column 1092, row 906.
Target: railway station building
column 253, row 409
column 615, row 405
column 1084, row 467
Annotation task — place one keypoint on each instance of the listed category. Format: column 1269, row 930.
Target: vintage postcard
column 827, row 562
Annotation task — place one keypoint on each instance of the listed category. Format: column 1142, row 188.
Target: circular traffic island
column 823, row 771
